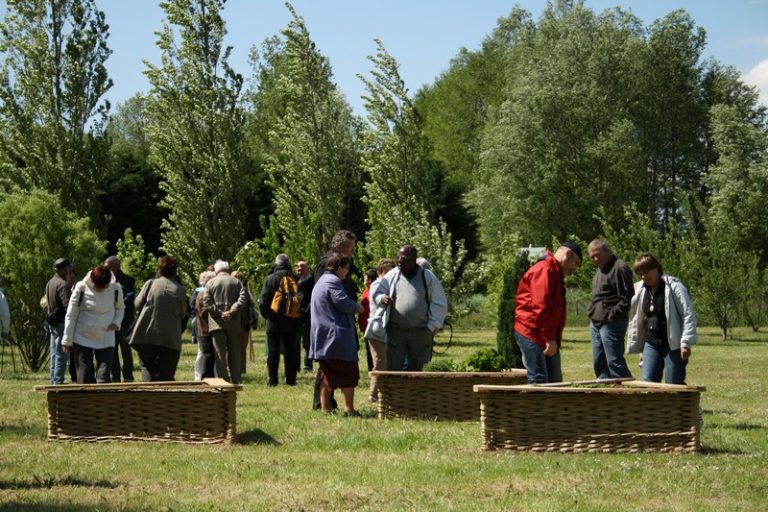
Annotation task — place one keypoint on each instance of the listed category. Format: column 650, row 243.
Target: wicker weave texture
column 195, row 415
column 436, row 395
column 590, row 422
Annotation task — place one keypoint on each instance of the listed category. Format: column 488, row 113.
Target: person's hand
column 360, row 309
column 551, row 348
column 685, row 353
column 386, row 299
column 113, row 327
column 66, row 349
column 226, row 316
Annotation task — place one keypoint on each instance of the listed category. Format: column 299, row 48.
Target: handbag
column 376, row 330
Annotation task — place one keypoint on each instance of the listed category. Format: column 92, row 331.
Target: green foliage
column 132, row 196
column 195, row 122
column 739, row 180
column 310, row 152
column 52, row 81
column 486, row 360
column 134, row 259
column 505, row 330
column 36, row 230
column 402, row 177
column 445, row 365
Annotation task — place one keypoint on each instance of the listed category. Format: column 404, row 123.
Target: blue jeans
column 658, row 359
column 59, row 358
column 541, row 368
column 608, row 349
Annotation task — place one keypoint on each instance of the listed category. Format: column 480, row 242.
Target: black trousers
column 87, row 373
column 288, row 342
column 122, row 350
column 209, row 355
column 157, row 363
column 306, row 324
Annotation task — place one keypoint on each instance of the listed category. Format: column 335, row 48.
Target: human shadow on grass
column 256, row 436
column 15, row 506
column 711, row 450
column 50, row 482
column 23, row 430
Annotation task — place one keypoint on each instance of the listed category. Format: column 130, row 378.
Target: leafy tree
column 310, row 155
column 134, row 259
column 36, row 230
column 670, row 115
column 195, row 130
column 132, row 196
column 563, row 142
column 505, row 332
column 402, row 176
column 52, row 83
column 739, row 181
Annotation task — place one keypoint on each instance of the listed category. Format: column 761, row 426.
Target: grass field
column 292, row 458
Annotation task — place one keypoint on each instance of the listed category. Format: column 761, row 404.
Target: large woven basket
column 436, row 395
column 186, row 411
column 629, row 416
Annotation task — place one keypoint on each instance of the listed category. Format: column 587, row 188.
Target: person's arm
column 117, row 319
column 265, row 299
column 242, row 302
column 625, row 290
column 341, row 299
column 687, row 317
column 542, row 304
column 129, row 291
column 141, row 299
column 438, row 302
column 70, row 319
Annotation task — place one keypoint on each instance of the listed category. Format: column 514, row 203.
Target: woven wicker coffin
column 629, row 416
column 437, row 395
column 186, row 411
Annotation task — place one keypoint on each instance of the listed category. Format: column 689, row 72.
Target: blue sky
column 423, row 35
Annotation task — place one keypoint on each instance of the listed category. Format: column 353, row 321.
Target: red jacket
column 362, row 318
column 540, row 308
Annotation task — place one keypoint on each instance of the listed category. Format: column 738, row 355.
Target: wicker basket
column 437, row 395
column 622, row 417
column 185, row 412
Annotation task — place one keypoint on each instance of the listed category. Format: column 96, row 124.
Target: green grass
column 293, row 458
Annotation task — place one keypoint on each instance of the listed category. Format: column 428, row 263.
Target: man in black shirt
column 608, row 310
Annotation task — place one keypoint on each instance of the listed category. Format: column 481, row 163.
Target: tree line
column 574, row 124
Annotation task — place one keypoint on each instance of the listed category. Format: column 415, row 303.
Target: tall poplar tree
column 311, row 155
column 52, row 82
column 195, row 125
column 402, row 177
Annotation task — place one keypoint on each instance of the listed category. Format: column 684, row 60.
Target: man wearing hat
column 57, row 293
column 540, row 312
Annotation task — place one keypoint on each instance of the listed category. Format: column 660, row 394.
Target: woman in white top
column 94, row 313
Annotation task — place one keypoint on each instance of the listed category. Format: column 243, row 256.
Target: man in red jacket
column 540, row 312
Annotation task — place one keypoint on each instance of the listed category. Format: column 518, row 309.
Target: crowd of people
column 97, row 321
column 655, row 314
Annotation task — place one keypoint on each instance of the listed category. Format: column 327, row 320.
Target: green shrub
column 486, row 360
column 36, row 230
column 444, row 365
column 505, row 335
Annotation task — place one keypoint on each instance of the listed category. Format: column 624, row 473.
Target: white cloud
column 758, row 76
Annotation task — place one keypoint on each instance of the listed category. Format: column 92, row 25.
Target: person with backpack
column 94, row 313
column 279, row 304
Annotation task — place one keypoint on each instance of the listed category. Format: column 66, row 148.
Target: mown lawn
column 293, row 458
